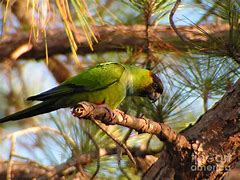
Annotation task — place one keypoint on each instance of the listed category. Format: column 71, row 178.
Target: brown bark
column 142, row 125
column 27, row 170
column 215, row 141
column 215, row 137
column 114, row 38
column 58, row 70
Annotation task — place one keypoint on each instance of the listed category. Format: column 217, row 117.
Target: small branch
column 97, row 153
column 174, row 9
column 147, row 16
column 39, row 129
column 10, row 163
column 85, row 159
column 116, row 141
column 146, row 146
column 205, row 100
column 119, row 156
column 127, row 135
column 35, row 163
column 142, row 125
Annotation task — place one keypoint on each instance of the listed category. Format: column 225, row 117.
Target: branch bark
column 142, row 125
column 27, row 170
column 215, row 141
column 113, row 38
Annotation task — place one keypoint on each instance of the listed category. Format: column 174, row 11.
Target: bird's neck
column 137, row 79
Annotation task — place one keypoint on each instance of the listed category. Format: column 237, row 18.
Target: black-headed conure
column 107, row 83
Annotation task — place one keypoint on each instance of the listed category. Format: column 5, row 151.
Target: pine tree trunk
column 215, row 139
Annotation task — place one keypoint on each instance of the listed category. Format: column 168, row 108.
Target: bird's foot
column 107, row 114
column 83, row 110
column 94, row 111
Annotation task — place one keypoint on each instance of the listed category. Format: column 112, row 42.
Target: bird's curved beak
column 154, row 96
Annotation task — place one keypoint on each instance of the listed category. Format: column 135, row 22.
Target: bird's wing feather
column 55, row 92
column 96, row 78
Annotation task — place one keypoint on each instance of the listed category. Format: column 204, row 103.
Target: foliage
column 188, row 78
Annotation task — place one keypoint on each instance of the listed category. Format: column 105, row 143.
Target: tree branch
column 173, row 11
column 142, row 125
column 111, row 38
column 29, row 170
column 215, row 139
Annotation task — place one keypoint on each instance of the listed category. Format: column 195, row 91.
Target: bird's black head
column 155, row 89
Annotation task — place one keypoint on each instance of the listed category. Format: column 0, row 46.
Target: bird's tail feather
column 41, row 108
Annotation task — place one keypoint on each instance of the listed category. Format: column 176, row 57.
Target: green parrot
column 107, row 83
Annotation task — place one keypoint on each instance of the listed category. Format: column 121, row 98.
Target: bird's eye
column 157, row 88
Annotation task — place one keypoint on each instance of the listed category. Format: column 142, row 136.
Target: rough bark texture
column 215, row 138
column 215, row 144
column 142, row 125
column 112, row 38
column 28, row 170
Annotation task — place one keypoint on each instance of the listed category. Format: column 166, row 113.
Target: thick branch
column 28, row 170
column 111, row 38
column 142, row 125
column 216, row 143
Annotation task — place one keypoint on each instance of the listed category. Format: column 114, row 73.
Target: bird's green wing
column 93, row 79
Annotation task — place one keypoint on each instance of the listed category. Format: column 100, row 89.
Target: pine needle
column 6, row 11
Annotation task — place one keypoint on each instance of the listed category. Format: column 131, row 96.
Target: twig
column 174, row 9
column 47, row 168
column 37, row 130
column 146, row 146
column 127, row 135
column 116, row 141
column 10, row 163
column 120, row 152
column 142, row 125
column 97, row 153
column 147, row 16
column 85, row 159
column 119, row 155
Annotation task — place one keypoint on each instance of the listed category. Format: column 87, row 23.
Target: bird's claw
column 77, row 111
